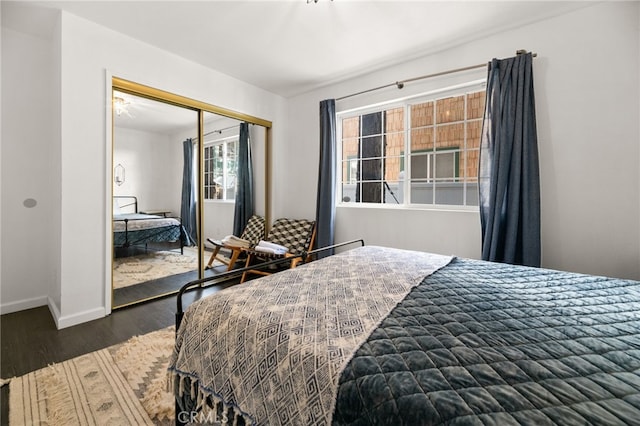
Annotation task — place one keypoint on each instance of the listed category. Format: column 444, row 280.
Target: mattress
column 137, row 228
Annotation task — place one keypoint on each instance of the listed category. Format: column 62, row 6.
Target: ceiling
column 289, row 47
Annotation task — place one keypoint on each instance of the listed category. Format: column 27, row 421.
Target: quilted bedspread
column 138, row 221
column 271, row 351
column 480, row 343
column 143, row 228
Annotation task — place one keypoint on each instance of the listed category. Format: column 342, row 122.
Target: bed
column 376, row 335
column 132, row 228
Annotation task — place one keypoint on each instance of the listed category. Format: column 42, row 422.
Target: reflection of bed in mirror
column 149, row 139
column 134, row 229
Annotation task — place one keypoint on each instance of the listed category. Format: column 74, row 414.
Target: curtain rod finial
column 524, row 51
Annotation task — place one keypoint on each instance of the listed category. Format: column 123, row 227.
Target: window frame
column 405, row 103
column 224, row 141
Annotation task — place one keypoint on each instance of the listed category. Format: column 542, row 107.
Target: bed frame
column 143, row 237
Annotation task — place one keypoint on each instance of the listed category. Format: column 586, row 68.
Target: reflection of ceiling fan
column 121, row 106
column 139, row 113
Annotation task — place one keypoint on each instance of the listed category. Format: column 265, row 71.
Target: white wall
column 152, row 173
column 586, row 77
column 28, row 172
column 86, row 53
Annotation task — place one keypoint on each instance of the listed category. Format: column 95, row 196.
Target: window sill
column 219, row 201
column 414, row 207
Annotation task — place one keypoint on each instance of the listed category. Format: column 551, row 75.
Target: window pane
column 231, row 169
column 421, row 192
column 392, row 167
column 208, row 193
column 348, row 192
column 472, row 157
column 472, row 192
column 422, row 114
column 474, row 131
column 445, row 167
column 422, row 139
column 392, row 192
column 369, row 192
column 371, row 124
column 231, row 193
column 450, row 136
column 394, row 120
column 371, row 147
column 420, row 165
column 371, row 170
column 351, row 127
column 350, row 147
column 475, row 105
column 350, row 170
column 451, row 193
column 450, row 109
column 232, row 150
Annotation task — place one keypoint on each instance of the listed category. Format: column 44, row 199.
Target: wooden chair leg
column 246, row 265
column 213, row 257
column 234, row 258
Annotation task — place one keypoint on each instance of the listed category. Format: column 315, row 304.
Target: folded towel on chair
column 234, row 241
column 267, row 247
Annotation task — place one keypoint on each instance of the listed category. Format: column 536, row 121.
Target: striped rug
column 124, row 384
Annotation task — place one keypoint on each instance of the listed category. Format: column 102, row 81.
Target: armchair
column 297, row 235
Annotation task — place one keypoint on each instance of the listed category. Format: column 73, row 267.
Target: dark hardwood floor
column 30, row 340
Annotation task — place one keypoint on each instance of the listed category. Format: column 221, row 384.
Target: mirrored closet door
column 171, row 193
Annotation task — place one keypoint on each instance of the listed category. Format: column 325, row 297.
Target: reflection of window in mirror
column 220, row 168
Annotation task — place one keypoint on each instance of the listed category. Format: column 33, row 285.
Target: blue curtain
column 509, row 181
column 326, row 197
column 188, row 205
column 244, row 183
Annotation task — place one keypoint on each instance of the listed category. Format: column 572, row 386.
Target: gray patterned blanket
column 272, row 350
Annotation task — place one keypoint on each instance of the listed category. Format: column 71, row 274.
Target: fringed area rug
column 153, row 265
column 124, row 384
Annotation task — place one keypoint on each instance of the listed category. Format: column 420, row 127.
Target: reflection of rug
column 120, row 385
column 153, row 265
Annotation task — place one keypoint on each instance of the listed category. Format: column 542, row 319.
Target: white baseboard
column 61, row 321
column 21, row 305
column 75, row 319
column 53, row 309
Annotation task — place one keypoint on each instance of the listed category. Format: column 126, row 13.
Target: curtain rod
column 400, row 84
column 218, row 131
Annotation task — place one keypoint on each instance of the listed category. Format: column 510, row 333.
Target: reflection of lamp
column 118, row 174
column 120, row 105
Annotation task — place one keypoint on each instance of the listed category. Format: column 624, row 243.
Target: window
column 424, row 151
column 220, row 168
